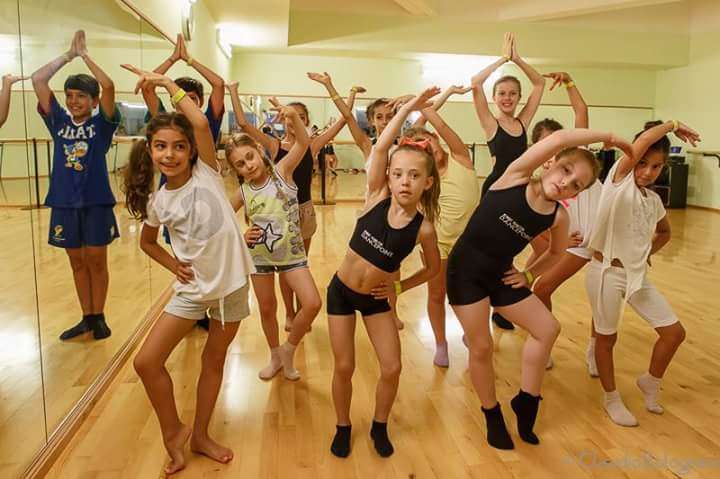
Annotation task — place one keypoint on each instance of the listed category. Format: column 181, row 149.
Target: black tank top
column 302, row 176
column 379, row 243
column 502, row 226
column 506, row 149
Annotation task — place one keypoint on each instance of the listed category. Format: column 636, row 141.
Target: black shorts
column 471, row 277
column 343, row 301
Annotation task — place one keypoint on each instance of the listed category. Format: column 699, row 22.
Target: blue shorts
column 78, row 227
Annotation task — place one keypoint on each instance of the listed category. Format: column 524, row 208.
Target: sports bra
column 379, row 243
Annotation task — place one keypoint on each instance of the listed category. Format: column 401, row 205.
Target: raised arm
column 538, row 82
column 576, row 100
column 198, row 120
column 148, row 92
column 377, row 176
column 545, row 149
column 289, row 162
column 441, row 100
column 7, row 83
column 648, row 138
column 361, row 139
column 482, row 109
column 319, row 142
column 458, row 150
column 41, row 77
column 107, row 87
column 270, row 144
column 217, row 93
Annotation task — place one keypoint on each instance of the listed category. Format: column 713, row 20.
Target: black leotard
column 302, row 176
column 506, row 149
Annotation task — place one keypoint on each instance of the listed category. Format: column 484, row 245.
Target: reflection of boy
column 195, row 91
column 82, row 219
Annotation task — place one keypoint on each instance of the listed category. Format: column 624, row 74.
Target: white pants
column 606, row 292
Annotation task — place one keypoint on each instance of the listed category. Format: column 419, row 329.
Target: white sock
column 617, row 411
column 650, row 387
column 590, row 359
column 269, row 371
column 441, row 355
column 287, row 356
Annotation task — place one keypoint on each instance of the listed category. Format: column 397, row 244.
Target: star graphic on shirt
column 269, row 237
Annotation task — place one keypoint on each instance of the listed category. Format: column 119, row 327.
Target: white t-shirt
column 582, row 211
column 625, row 225
column 203, row 232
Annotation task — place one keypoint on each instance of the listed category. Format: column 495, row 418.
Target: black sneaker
column 79, row 329
column 502, row 323
column 99, row 327
column 204, row 323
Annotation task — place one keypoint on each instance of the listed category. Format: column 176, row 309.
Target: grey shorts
column 278, row 268
column 235, row 307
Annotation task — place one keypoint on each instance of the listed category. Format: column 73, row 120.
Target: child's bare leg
column 150, row 366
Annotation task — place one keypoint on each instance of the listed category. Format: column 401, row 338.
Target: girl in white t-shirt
column 210, row 261
column 630, row 226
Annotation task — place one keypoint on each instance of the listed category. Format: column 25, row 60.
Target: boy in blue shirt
column 82, row 219
column 195, row 91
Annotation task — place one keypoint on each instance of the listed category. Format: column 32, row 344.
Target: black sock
column 98, row 326
column 80, row 328
column 341, row 443
column 526, row 407
column 380, row 438
column 497, row 434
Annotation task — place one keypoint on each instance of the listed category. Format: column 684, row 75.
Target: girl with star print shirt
column 80, row 176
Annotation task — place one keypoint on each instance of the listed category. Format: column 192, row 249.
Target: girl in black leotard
column 506, row 132
column 399, row 184
column 481, row 272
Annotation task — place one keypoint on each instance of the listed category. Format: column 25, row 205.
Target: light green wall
column 690, row 94
column 621, row 99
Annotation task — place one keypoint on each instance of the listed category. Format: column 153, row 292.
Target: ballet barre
column 707, row 154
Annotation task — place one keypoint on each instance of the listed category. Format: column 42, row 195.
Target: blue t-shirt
column 215, row 123
column 79, row 176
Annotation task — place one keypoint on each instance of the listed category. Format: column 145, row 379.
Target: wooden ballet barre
column 708, row 154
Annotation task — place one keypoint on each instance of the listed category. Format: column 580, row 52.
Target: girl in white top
column 210, row 261
column 630, row 226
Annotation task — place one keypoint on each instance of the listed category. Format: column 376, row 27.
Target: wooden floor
column 280, row 429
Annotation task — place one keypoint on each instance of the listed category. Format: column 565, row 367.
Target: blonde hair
column 581, row 154
column 430, row 199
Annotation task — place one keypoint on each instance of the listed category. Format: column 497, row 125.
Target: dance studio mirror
column 71, row 271
column 22, row 406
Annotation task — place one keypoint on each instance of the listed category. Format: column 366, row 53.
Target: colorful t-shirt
column 274, row 208
column 79, row 176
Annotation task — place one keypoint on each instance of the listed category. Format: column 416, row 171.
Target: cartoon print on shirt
column 73, row 153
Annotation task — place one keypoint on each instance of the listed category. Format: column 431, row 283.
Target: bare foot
column 175, row 446
column 213, row 450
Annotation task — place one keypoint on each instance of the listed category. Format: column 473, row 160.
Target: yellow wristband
column 336, row 98
column 676, row 125
column 398, row 288
column 178, row 96
column 507, row 58
column 570, row 84
column 529, row 277
column 189, row 61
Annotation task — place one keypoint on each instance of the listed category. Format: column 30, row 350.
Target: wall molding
column 45, row 458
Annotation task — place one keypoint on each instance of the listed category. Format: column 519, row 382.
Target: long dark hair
column 662, row 145
column 140, row 171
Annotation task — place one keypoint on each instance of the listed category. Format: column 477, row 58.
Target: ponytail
column 138, row 180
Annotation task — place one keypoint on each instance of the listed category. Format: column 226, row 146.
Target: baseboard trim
column 707, row 208
column 49, row 453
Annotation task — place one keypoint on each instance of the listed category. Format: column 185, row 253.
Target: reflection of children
column 7, row 83
column 211, row 263
column 82, row 219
